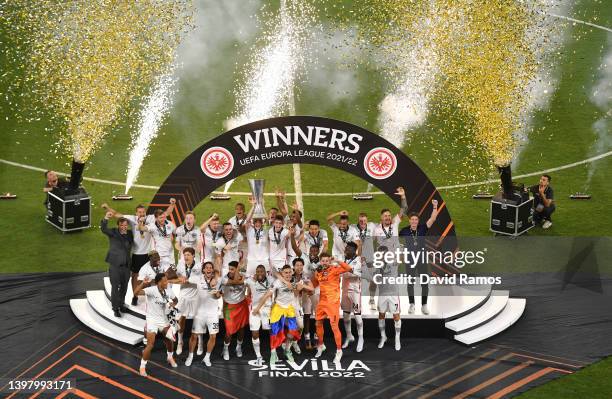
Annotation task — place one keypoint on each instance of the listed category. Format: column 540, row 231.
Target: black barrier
column 304, row 140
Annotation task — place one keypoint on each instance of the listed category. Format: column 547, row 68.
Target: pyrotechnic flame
column 273, row 70
column 150, row 120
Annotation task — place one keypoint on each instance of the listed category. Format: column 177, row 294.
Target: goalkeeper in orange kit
column 327, row 277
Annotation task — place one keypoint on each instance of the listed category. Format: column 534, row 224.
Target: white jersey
column 258, row 289
column 366, row 236
column 351, row 281
column 284, row 295
column 162, row 239
column 148, row 271
column 232, row 293
column 316, row 240
column 278, row 244
column 236, row 223
column 142, row 239
column 231, row 254
column 157, row 304
column 309, row 266
column 388, row 235
column 209, row 304
column 257, row 240
column 210, row 238
column 386, row 288
column 341, row 238
column 189, row 290
column 188, row 238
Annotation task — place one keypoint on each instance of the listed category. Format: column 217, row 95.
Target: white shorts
column 188, row 307
column 262, row 320
column 204, row 322
column 156, row 326
column 389, row 304
column 252, row 266
column 351, row 302
column 310, row 302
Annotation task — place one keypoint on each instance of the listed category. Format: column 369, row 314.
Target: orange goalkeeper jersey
column 329, row 283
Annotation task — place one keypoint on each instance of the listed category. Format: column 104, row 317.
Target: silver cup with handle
column 257, row 189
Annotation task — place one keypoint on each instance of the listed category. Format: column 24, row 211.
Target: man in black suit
column 119, row 259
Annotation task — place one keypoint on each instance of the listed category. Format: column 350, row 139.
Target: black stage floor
column 564, row 328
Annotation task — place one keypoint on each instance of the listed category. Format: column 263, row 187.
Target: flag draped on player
column 236, row 316
column 283, row 322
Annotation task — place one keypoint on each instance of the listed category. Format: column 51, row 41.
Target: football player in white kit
column 239, row 216
column 152, row 268
column 211, row 232
column 257, row 286
column 301, row 275
column 207, row 315
column 228, row 248
column 315, row 236
column 278, row 237
column 235, row 308
column 257, row 242
column 142, row 239
column 343, row 233
column 188, row 295
column 162, row 232
column 189, row 236
column 283, row 321
column 365, row 229
column 388, row 300
column 160, row 300
column 310, row 299
column 350, row 301
column 387, row 231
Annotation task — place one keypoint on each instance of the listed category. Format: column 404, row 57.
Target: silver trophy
column 257, row 189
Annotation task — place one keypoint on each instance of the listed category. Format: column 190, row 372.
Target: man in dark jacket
column 119, row 259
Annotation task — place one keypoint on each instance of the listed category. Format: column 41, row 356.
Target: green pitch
column 205, row 100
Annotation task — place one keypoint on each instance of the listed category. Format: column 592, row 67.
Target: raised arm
column 403, row 203
column 294, row 244
column 111, row 210
column 204, row 225
column 434, row 213
column 332, row 216
column 104, row 224
column 248, row 221
column 281, row 203
column 170, row 207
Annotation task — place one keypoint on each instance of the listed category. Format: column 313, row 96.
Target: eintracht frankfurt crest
column 380, row 163
column 217, row 162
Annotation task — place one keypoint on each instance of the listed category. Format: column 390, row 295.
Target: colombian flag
column 236, row 316
column 282, row 322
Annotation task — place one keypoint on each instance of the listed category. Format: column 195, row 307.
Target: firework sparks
column 85, row 61
column 151, row 118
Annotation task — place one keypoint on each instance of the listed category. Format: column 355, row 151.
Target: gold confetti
column 87, row 61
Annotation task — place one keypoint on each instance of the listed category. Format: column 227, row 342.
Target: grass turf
column 31, row 245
